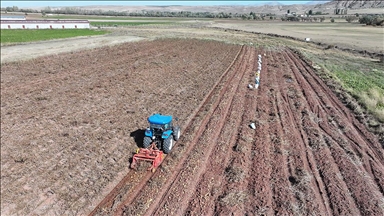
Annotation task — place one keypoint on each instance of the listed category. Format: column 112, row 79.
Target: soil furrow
column 346, row 203
column 210, row 184
column 259, row 186
column 137, row 189
column 70, row 124
column 188, row 178
column 194, row 127
column 234, row 179
column 346, row 166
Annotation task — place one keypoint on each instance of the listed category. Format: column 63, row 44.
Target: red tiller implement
column 151, row 154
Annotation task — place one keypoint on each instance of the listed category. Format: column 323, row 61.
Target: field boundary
column 323, row 45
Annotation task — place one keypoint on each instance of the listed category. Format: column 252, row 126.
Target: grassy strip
column 155, row 19
column 362, row 78
column 366, row 87
column 29, row 35
column 127, row 23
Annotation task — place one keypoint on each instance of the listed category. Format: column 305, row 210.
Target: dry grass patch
column 233, row 198
column 234, row 174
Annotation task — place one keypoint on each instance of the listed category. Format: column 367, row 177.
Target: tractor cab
column 158, row 125
column 158, row 140
column 161, row 131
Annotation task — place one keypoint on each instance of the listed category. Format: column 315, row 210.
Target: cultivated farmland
column 70, row 124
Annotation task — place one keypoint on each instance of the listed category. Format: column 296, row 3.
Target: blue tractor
column 161, row 132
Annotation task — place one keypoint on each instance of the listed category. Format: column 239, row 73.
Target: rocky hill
column 356, row 4
column 367, row 6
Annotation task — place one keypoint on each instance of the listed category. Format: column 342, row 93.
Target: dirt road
column 54, row 47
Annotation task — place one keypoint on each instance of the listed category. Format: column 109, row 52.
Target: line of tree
column 16, row 9
column 144, row 13
column 254, row 16
column 303, row 19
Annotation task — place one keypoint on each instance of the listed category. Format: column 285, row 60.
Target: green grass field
column 29, row 35
column 362, row 78
column 152, row 19
column 128, row 23
column 366, row 84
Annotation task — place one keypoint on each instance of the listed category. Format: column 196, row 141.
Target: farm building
column 44, row 24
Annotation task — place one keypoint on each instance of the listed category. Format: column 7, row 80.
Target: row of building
column 20, row 22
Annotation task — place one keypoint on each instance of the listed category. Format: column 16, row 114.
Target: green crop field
column 362, row 78
column 127, row 23
column 151, row 19
column 29, row 35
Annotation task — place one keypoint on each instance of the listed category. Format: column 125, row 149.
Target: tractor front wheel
column 147, row 142
column 167, row 145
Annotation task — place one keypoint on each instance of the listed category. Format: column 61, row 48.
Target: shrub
column 366, row 20
column 372, row 20
column 378, row 21
column 350, row 19
column 293, row 19
column 332, row 20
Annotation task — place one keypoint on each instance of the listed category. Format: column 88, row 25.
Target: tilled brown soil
column 70, row 124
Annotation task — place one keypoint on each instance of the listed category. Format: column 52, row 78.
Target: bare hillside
column 367, row 6
column 356, row 4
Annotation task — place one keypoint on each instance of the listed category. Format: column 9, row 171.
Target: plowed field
column 71, row 122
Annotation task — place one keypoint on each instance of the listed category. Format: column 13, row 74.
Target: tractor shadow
column 138, row 136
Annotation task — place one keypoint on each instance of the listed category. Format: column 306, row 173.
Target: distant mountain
column 273, row 7
column 315, row 2
column 273, row 3
column 356, row 4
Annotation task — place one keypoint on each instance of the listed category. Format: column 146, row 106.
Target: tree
column 332, row 20
column 366, row 20
column 350, row 19
column 310, row 12
column 372, row 20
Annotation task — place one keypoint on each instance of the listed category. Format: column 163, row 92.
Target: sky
column 22, row 4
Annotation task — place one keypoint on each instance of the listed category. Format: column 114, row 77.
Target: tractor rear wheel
column 167, row 145
column 147, row 142
column 176, row 133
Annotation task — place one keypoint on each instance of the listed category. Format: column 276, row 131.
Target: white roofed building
column 44, row 24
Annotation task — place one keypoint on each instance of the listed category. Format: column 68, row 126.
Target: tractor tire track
column 143, row 180
column 205, row 113
column 210, row 184
column 186, row 181
column 349, row 166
